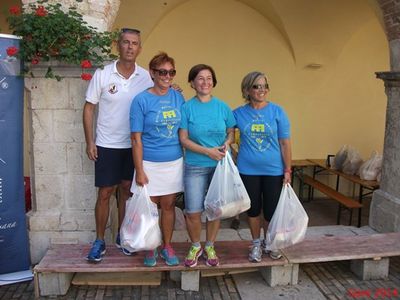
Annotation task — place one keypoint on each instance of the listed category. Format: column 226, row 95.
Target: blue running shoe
column 124, row 250
column 150, row 259
column 97, row 251
column 168, row 254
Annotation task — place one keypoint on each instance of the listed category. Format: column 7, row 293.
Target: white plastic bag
column 340, row 157
column 353, row 161
column 370, row 169
column 140, row 229
column 288, row 225
column 226, row 196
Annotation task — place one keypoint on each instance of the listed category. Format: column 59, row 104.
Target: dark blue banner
column 14, row 250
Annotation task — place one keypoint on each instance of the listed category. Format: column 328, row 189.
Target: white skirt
column 164, row 177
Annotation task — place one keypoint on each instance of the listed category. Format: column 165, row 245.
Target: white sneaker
column 255, row 254
column 275, row 254
column 272, row 254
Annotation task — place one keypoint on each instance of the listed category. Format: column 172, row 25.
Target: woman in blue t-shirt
column 155, row 118
column 206, row 132
column 265, row 155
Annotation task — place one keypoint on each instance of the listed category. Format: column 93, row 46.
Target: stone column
column 385, row 205
column 63, row 191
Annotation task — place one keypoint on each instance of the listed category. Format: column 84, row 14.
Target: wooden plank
column 71, row 258
column 323, row 249
column 118, row 278
column 221, row 272
column 330, row 192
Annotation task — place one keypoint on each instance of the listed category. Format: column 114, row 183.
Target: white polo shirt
column 114, row 95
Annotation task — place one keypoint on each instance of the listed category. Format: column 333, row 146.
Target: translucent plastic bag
column 340, row 157
column 226, row 196
column 353, row 161
column 140, row 229
column 288, row 225
column 370, row 169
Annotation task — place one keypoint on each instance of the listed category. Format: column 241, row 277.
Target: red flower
column 86, row 64
column 35, row 61
column 86, row 76
column 41, row 11
column 11, row 51
column 15, row 10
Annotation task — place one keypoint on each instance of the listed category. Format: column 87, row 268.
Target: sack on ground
column 370, row 169
column 226, row 196
column 140, row 229
column 353, row 161
column 288, row 225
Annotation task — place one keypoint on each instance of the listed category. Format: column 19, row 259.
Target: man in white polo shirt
column 112, row 89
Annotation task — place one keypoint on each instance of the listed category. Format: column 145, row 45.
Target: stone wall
column 62, row 176
column 98, row 13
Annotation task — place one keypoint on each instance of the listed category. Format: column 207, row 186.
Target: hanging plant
column 50, row 32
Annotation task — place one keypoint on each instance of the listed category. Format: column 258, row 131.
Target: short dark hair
column 160, row 59
column 195, row 70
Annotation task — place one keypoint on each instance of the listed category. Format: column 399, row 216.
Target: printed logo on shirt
column 167, row 121
column 259, row 135
column 112, row 89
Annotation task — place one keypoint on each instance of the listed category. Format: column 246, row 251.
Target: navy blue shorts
column 113, row 166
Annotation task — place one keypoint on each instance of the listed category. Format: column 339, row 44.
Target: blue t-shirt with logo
column 158, row 118
column 260, row 132
column 206, row 123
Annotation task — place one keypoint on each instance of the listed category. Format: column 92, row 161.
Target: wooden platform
column 369, row 255
column 117, row 278
column 71, row 259
column 323, row 249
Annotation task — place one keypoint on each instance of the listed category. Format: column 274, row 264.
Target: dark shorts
column 113, row 166
column 264, row 192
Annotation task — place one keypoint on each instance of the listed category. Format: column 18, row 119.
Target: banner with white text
column 14, row 248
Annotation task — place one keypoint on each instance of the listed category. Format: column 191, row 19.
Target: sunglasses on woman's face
column 164, row 72
column 260, row 86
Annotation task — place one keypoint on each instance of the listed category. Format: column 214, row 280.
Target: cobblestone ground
column 333, row 279
column 336, row 281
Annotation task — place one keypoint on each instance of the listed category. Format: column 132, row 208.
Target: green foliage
column 50, row 32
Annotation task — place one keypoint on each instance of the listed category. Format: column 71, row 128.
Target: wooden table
column 370, row 185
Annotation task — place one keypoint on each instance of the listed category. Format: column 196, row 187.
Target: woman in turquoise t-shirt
column 265, row 155
column 155, row 116
column 206, row 131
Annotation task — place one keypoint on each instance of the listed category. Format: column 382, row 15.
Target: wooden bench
column 369, row 255
column 62, row 263
column 343, row 200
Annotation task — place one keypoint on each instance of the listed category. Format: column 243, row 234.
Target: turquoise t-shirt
column 206, row 123
column 260, row 131
column 158, row 118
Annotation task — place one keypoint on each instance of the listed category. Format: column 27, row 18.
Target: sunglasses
column 163, row 72
column 260, row 86
column 130, row 30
